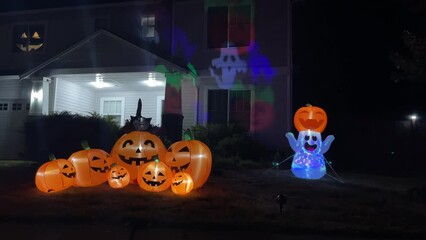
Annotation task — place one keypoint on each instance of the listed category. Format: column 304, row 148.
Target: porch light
column 37, row 95
column 99, row 83
column 153, row 83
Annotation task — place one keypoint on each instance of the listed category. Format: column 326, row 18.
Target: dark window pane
column 20, row 38
column 36, row 37
column 239, row 111
column 217, row 106
column 239, row 26
column 217, row 25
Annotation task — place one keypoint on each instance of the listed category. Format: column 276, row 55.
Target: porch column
column 39, row 103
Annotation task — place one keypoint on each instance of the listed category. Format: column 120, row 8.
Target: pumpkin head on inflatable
column 190, row 156
column 136, row 148
column 310, row 118
column 154, row 176
column 55, row 175
column 92, row 166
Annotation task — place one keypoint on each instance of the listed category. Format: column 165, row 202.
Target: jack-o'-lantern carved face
column 155, row 176
column 92, row 166
column 310, row 118
column 182, row 183
column 29, row 37
column 55, row 176
column 118, row 177
column 190, row 156
column 136, row 148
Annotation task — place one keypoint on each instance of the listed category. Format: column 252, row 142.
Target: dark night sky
column 340, row 48
column 341, row 55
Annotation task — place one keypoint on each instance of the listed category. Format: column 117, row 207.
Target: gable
column 102, row 51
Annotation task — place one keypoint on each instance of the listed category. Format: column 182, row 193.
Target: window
column 229, row 26
column 16, row 106
column 148, row 26
column 101, row 23
column 229, row 106
column 28, row 37
column 4, row 106
column 114, row 108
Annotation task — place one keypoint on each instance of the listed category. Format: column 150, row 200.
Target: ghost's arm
column 292, row 141
column 326, row 144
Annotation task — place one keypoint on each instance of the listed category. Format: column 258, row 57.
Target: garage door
column 13, row 113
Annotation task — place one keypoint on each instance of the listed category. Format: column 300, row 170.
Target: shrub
column 231, row 146
column 61, row 134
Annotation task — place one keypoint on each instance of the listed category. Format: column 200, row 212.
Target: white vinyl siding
column 189, row 104
column 74, row 98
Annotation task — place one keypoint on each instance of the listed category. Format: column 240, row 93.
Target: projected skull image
column 225, row 68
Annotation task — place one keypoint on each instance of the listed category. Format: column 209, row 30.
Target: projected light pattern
column 226, row 67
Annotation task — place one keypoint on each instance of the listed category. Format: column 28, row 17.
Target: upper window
column 229, row 26
column 4, row 106
column 148, row 26
column 28, row 37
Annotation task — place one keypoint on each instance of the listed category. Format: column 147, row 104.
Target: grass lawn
column 237, row 200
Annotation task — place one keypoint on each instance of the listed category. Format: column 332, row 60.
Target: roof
column 102, row 50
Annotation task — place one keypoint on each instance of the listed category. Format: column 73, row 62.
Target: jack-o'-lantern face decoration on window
column 182, row 183
column 55, row 175
column 118, row 177
column 310, row 118
column 154, row 176
column 29, row 37
column 92, row 166
column 136, row 148
column 190, row 156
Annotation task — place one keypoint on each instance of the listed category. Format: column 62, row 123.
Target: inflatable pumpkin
column 118, row 177
column 136, row 148
column 55, row 175
column 310, row 118
column 190, row 156
column 154, row 176
column 182, row 183
column 92, row 166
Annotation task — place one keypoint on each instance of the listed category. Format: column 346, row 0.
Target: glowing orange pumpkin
column 92, row 166
column 155, row 176
column 182, row 183
column 55, row 176
column 190, row 156
column 310, row 118
column 118, row 177
column 136, row 148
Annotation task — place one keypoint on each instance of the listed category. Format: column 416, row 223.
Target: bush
column 61, row 134
column 231, row 146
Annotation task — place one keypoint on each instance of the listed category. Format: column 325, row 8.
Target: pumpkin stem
column 187, row 135
column 308, row 105
column 85, row 145
column 52, row 157
column 156, row 160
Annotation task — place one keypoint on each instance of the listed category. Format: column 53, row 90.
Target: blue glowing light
column 309, row 161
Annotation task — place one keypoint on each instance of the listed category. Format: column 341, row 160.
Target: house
column 190, row 61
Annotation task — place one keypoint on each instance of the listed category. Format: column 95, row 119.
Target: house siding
column 189, row 104
column 74, row 98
